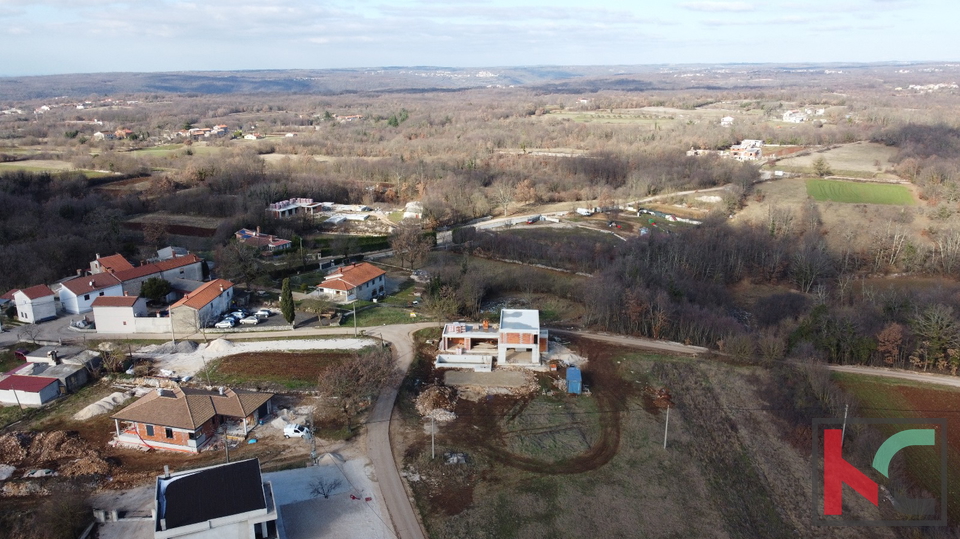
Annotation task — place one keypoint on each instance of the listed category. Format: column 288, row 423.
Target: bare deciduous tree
column 325, row 486
column 357, row 379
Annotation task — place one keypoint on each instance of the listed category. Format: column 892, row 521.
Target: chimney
column 221, row 288
column 160, row 391
column 98, row 256
column 91, row 283
column 221, row 390
column 258, row 231
column 53, row 356
column 126, row 292
column 166, row 471
column 79, row 272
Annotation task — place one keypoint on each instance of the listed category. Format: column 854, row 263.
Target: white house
column 202, row 307
column 118, row 314
column 356, row 281
column 35, row 304
column 794, row 116
column 77, row 294
column 227, row 501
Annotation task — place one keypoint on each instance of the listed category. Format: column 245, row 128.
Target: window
column 86, row 297
column 149, row 430
column 168, row 432
column 101, row 293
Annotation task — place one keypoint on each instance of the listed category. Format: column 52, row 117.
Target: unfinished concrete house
column 516, row 341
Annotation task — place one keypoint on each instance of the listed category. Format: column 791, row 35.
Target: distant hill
column 549, row 79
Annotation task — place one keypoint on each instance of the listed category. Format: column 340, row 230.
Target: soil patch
column 286, row 368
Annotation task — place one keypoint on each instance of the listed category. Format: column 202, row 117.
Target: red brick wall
column 159, row 435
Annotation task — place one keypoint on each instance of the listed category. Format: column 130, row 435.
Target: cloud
column 717, row 6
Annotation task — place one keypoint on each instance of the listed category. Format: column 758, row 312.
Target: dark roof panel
column 210, row 493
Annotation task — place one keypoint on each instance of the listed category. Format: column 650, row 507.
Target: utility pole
column 433, row 437
column 846, row 408
column 354, row 318
column 665, row 427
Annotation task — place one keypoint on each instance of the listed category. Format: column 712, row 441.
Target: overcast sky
column 81, row 36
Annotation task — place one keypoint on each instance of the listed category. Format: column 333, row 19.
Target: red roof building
column 356, row 281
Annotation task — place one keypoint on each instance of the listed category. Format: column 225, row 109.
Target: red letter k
column 837, row 471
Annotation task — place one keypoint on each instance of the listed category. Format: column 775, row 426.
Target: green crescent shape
column 900, row 440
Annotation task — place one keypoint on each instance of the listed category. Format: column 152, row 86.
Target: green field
column 859, row 193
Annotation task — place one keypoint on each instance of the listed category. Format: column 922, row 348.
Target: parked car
column 533, row 219
column 264, row 313
column 226, row 323
column 250, row 320
column 295, row 431
column 240, row 314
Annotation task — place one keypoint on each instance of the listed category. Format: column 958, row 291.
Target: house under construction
column 517, row 341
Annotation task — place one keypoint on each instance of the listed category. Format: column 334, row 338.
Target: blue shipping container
column 574, row 381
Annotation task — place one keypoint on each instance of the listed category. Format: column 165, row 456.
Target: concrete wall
column 150, row 324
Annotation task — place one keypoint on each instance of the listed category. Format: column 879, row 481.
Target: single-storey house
column 28, row 390
column 226, row 501
column 353, row 282
column 77, row 294
column 185, row 419
column 117, row 314
column 71, row 377
column 35, row 304
column 263, row 242
column 202, row 307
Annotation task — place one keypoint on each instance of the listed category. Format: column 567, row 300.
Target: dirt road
column 637, row 342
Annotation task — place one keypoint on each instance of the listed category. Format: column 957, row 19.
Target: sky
column 41, row 37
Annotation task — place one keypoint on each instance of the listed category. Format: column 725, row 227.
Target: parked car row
column 244, row 317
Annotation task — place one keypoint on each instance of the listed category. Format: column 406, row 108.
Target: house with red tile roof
column 189, row 267
column 185, row 419
column 35, row 304
column 356, row 281
column 202, row 307
column 28, row 390
column 77, row 294
column 109, row 264
column 265, row 243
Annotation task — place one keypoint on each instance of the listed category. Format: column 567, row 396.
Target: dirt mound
column 182, row 347
column 437, row 402
column 13, row 448
column 63, row 451
column 56, row 445
column 91, row 464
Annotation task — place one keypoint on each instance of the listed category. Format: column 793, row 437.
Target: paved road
column 927, row 378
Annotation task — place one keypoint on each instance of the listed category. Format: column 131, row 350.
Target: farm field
column 884, row 398
column 552, row 465
column 856, row 159
column 859, row 193
column 48, row 165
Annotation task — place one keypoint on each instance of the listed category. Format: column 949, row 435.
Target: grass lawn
column 859, row 193
column 383, row 314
